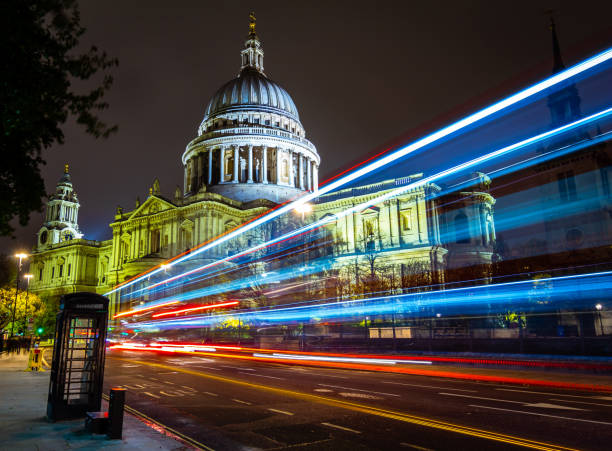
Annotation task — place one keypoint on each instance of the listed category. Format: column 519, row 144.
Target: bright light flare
column 194, row 309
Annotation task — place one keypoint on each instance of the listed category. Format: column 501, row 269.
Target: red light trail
column 144, row 309
column 193, row 309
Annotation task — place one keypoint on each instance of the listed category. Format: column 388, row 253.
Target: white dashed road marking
column 151, row 395
column 342, row 428
column 284, row 412
column 357, row 389
column 262, row 375
column 241, row 402
column 541, row 414
column 429, row 386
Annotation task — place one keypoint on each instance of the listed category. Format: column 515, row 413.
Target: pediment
column 187, row 224
column 371, row 210
column 151, row 206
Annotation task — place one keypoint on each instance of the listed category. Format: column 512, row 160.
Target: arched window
column 462, row 233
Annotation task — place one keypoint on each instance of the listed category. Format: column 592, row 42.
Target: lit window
column 406, row 221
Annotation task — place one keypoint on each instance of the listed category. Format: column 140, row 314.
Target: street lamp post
column 599, row 307
column 25, row 315
column 20, row 258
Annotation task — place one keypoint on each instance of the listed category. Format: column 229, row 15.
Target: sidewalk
column 23, row 406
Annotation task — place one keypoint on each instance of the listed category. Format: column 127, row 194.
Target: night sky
column 360, row 75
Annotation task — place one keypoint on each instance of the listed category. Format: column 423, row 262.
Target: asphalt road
column 234, row 404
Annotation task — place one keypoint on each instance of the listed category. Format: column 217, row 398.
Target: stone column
column 291, row 177
column 222, row 164
column 301, row 170
column 250, row 180
column 309, row 178
column 278, row 166
column 264, row 164
column 210, row 161
column 236, row 162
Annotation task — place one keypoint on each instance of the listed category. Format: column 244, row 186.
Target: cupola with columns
column 61, row 214
column 251, row 143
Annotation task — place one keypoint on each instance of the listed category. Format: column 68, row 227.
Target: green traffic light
column 39, row 330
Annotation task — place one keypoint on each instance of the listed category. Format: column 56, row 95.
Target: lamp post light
column 25, row 315
column 20, row 256
column 599, row 308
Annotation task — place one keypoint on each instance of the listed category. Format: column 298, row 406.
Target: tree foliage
column 41, row 62
column 35, row 309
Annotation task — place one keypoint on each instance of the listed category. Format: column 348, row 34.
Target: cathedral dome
column 251, row 144
column 251, row 90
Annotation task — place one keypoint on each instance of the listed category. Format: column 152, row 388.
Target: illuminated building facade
column 251, row 154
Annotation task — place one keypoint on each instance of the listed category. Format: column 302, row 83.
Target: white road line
column 431, row 386
column 284, row 412
column 208, row 368
column 541, row 414
column 241, row 402
column 188, row 388
column 539, row 392
column 169, row 372
column 151, row 394
column 480, row 397
column 357, row 389
column 190, row 393
column 410, row 445
column 210, row 393
column 168, row 394
column 541, row 405
column 262, row 375
column 169, row 383
column 342, row 428
column 582, row 402
column 338, row 377
column 237, row 368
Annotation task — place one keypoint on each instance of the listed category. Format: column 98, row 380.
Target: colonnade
column 61, row 212
column 251, row 164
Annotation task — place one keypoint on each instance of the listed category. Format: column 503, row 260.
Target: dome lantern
column 252, row 55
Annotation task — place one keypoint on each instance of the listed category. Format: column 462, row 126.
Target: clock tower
column 61, row 215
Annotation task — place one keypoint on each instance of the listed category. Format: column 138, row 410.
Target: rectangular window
column 605, row 182
column 405, row 221
column 53, row 272
column 61, row 270
column 69, row 267
column 567, row 186
column 155, row 241
column 40, row 271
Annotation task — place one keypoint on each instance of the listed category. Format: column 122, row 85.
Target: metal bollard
column 116, row 402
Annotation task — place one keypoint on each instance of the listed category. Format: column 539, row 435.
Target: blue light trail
column 543, row 294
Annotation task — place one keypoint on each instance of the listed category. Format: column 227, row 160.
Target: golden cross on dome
column 252, row 20
column 66, row 168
